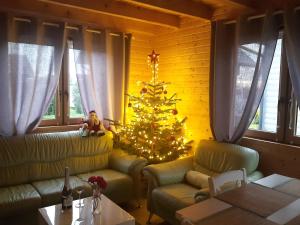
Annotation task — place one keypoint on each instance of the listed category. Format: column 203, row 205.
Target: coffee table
column 111, row 214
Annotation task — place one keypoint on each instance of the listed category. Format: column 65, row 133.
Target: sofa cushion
column 50, row 153
column 119, row 185
column 173, row 197
column 213, row 157
column 13, row 167
column 18, row 199
column 50, row 190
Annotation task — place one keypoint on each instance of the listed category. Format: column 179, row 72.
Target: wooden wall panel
column 185, row 62
column 275, row 157
column 139, row 71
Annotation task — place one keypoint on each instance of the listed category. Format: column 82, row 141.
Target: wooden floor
column 141, row 214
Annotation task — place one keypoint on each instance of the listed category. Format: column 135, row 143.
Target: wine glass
column 80, row 220
column 79, row 192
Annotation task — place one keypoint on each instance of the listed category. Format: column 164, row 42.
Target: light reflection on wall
column 185, row 62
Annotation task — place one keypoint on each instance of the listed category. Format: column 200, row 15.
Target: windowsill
column 50, row 129
column 257, row 140
column 261, row 135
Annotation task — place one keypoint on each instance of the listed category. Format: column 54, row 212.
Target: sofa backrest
column 212, row 157
column 42, row 156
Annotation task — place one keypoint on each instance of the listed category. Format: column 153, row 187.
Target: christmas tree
column 154, row 130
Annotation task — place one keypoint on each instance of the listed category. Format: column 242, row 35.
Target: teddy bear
column 92, row 126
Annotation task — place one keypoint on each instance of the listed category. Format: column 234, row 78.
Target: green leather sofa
column 168, row 190
column 32, row 170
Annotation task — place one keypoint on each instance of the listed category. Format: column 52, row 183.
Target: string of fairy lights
column 154, row 130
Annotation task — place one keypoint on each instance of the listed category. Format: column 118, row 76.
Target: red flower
column 91, row 179
column 99, row 181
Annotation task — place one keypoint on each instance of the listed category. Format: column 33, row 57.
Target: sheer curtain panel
column 101, row 61
column 30, row 57
column 243, row 55
column 292, row 40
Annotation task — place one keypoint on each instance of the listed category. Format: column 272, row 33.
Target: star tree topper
column 153, row 57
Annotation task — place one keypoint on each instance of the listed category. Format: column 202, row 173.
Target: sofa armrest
column 130, row 164
column 169, row 172
column 123, row 162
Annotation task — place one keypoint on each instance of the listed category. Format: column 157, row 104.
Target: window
column 277, row 117
column 266, row 116
column 65, row 107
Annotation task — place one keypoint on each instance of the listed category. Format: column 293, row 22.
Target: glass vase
column 96, row 201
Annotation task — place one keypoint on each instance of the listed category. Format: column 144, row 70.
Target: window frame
column 291, row 126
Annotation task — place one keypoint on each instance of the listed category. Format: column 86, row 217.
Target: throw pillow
column 197, row 179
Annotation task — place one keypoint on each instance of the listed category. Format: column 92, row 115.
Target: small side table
column 111, row 214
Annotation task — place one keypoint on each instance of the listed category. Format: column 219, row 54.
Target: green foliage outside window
column 51, row 112
column 76, row 110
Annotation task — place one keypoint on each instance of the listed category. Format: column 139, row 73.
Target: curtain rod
column 260, row 16
column 67, row 26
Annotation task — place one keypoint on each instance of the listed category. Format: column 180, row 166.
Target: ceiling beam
column 178, row 7
column 245, row 3
column 74, row 17
column 273, row 4
column 258, row 5
column 121, row 10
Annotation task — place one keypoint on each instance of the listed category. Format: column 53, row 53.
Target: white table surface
column 111, row 214
column 273, row 180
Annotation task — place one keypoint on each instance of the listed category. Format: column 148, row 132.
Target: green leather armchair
column 168, row 190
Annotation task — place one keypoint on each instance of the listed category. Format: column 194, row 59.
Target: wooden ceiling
column 143, row 16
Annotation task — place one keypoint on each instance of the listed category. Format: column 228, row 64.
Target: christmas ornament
column 174, row 112
column 144, row 90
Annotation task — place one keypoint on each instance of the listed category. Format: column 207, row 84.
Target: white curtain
column 243, row 57
column 101, row 61
column 292, row 41
column 30, row 62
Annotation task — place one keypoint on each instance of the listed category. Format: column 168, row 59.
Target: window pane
column 51, row 112
column 266, row 116
column 75, row 106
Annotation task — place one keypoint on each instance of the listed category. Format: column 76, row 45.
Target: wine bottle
column 66, row 194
